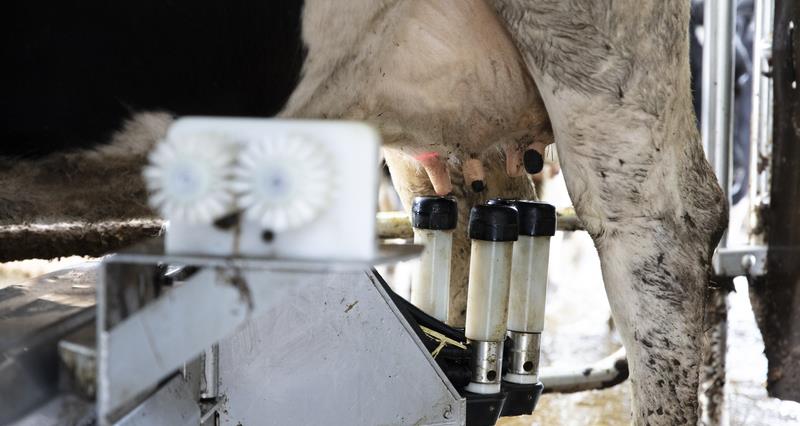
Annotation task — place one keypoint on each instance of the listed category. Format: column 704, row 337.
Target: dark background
column 74, row 70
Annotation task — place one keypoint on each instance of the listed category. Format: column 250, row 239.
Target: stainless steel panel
column 336, row 352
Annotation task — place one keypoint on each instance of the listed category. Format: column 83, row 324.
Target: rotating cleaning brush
column 189, row 180
column 283, row 182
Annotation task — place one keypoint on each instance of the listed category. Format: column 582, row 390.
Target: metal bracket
column 750, row 261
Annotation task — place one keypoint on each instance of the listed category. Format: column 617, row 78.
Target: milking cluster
column 507, row 281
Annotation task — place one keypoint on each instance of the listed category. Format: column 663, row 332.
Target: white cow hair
column 433, row 76
column 440, row 77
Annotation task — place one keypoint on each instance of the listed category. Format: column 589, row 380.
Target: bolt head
column 748, row 261
column 448, row 412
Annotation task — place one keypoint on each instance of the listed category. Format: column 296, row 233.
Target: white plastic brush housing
column 302, row 189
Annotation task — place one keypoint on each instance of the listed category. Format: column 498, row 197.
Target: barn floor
column 577, row 331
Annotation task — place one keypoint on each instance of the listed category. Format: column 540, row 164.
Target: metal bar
column 761, row 119
column 717, row 101
column 152, row 253
column 749, row 261
column 210, row 377
column 396, row 225
column 50, row 240
column 609, row 371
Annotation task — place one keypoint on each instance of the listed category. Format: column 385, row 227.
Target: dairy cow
column 466, row 94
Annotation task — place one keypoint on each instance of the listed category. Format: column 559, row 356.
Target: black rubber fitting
column 437, row 213
column 536, row 219
column 493, row 223
column 533, row 161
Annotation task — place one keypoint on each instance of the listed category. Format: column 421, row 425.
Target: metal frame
column 148, row 330
column 609, row 371
column 717, row 100
column 717, row 124
column 761, row 124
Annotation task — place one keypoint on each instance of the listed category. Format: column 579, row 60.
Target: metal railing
column 717, row 125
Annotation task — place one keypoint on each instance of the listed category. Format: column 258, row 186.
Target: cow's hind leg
column 615, row 80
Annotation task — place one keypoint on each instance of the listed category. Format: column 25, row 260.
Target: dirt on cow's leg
column 615, row 80
column 410, row 180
